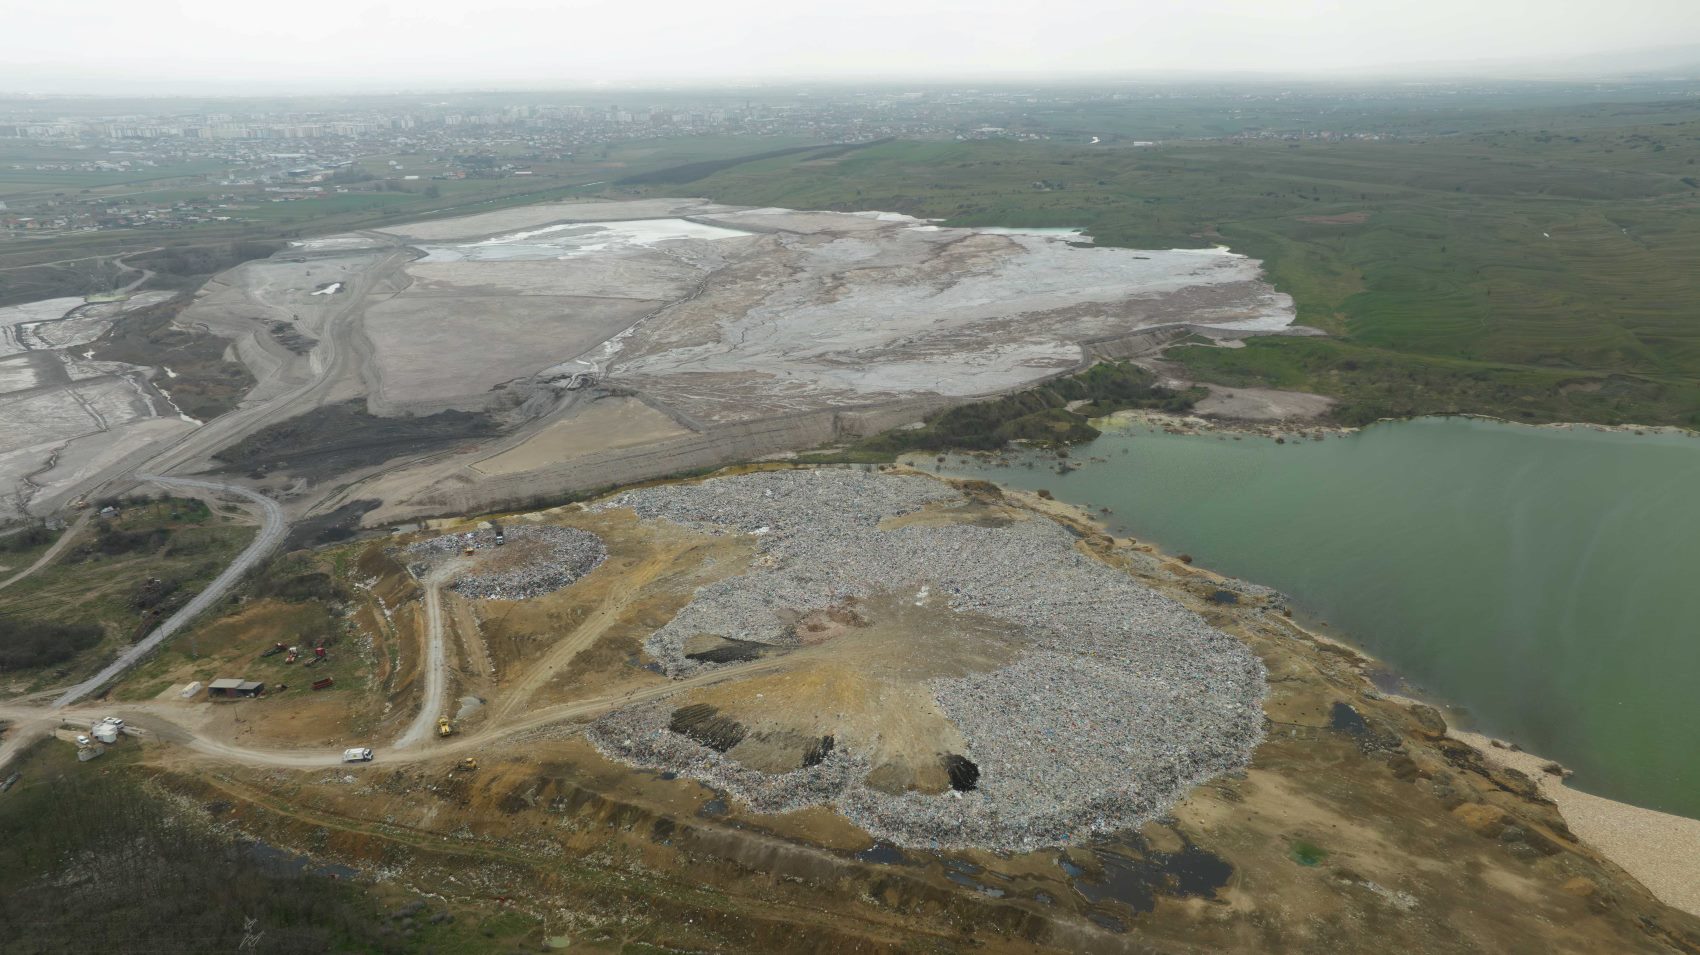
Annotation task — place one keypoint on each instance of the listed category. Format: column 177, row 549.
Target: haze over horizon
column 212, row 46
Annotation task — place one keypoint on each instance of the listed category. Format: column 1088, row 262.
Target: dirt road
column 51, row 553
column 436, row 672
column 169, row 723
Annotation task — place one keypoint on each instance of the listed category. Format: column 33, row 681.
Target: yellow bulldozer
column 444, row 727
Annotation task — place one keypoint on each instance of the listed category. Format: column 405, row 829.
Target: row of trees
column 1039, row 415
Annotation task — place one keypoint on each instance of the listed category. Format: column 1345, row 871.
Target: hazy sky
column 240, row 45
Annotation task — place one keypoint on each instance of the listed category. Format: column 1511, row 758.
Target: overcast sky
column 216, row 46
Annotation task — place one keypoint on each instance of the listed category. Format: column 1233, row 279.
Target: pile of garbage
column 1122, row 701
column 553, row 557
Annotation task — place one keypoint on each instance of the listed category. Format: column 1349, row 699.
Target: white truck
column 357, row 754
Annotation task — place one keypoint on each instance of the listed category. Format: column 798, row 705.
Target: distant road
column 272, row 527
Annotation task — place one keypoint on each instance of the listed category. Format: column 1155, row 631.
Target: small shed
column 232, row 689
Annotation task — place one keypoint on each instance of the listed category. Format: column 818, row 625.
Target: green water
column 1547, row 581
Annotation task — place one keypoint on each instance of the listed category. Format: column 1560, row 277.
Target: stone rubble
column 567, row 554
column 1122, row 702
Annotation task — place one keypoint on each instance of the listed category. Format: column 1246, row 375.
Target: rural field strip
column 270, row 536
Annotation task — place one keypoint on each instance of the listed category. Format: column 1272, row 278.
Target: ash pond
column 1542, row 580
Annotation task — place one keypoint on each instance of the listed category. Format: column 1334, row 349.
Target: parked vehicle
column 357, row 754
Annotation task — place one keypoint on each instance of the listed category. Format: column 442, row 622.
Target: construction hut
column 230, row 689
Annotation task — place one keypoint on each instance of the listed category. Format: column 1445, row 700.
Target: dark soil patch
column 732, row 651
column 205, row 386
column 964, row 775
column 818, row 752
column 338, row 525
column 1136, row 879
column 703, row 723
column 1347, row 720
column 337, row 438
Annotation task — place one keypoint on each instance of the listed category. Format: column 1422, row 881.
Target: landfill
column 547, row 558
column 1122, row 701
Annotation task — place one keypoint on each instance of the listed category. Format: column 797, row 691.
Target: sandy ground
column 1659, row 849
column 12, row 316
column 609, row 423
column 439, row 352
column 1262, row 404
column 19, row 373
column 37, row 428
column 634, row 273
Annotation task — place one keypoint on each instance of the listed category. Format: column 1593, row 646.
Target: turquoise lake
column 1546, row 581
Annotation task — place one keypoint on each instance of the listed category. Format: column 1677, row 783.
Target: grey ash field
column 622, row 340
column 462, row 364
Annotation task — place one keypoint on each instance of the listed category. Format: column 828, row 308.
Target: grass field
column 103, row 579
column 1542, row 273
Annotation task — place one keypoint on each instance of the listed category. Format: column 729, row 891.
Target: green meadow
column 1539, row 272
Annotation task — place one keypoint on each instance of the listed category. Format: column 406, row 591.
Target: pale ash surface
column 64, row 417
column 724, row 314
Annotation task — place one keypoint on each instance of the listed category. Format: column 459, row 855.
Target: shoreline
column 1304, row 428
column 1658, row 849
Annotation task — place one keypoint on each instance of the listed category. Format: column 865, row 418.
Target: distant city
column 212, row 162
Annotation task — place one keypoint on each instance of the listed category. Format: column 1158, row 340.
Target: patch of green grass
column 1038, row 416
column 1307, row 853
column 176, row 542
column 1374, row 383
column 1507, row 270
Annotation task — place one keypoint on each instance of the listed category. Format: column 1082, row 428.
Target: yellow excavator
column 444, row 727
